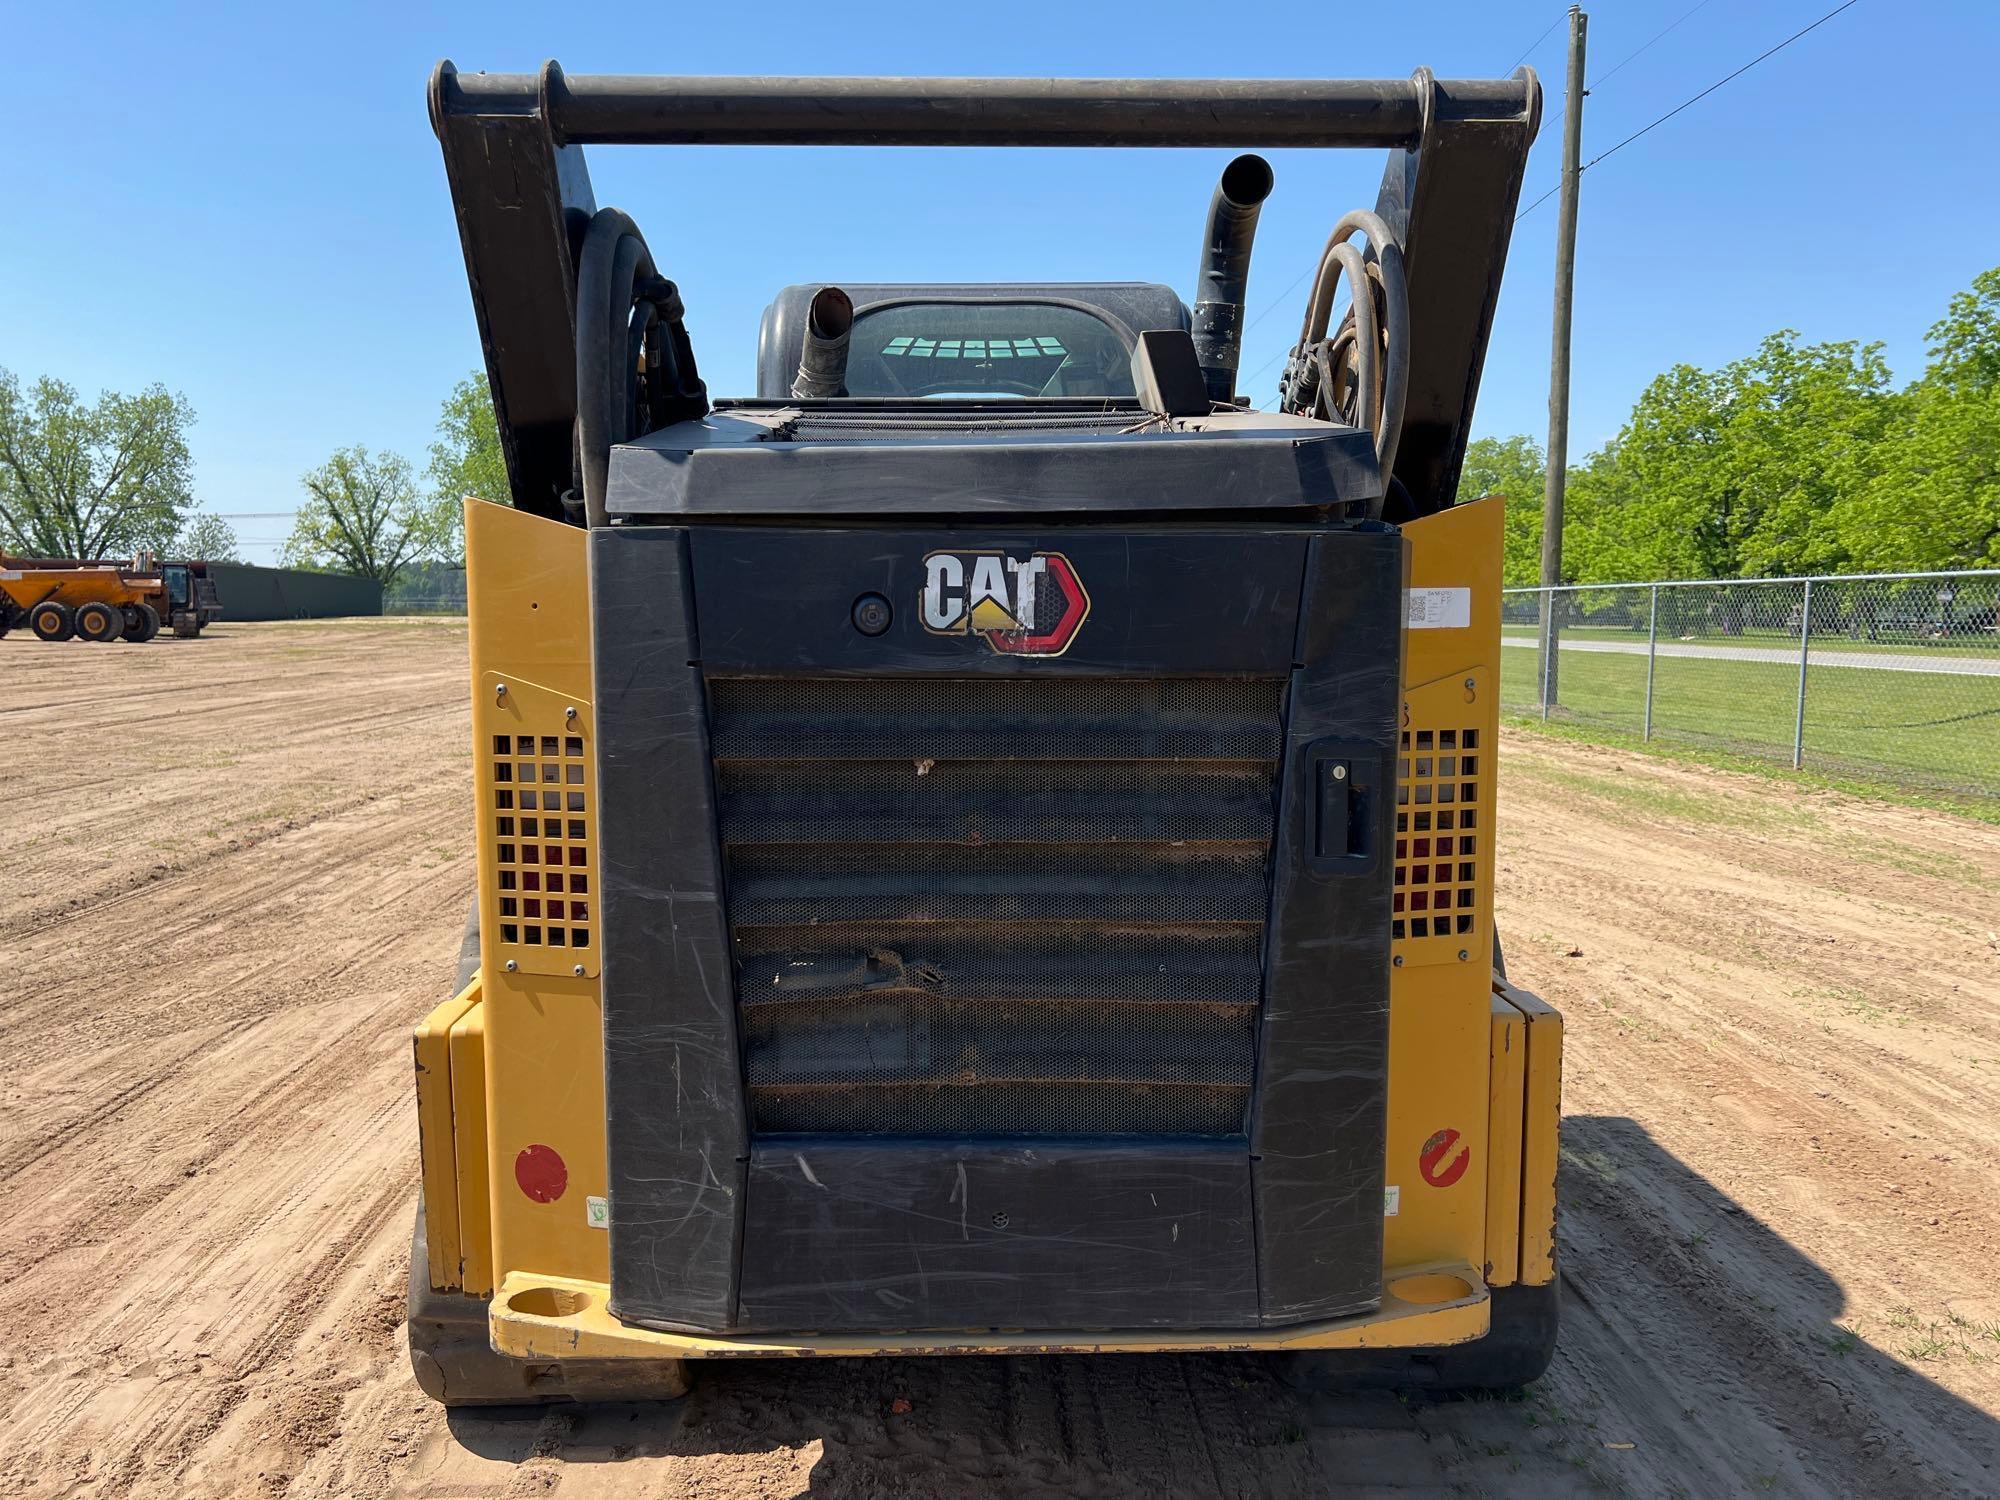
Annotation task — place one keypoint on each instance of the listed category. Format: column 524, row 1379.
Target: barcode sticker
column 1440, row 609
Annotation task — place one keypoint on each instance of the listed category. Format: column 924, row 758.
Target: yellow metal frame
column 1541, row 1117
column 546, row 1317
column 467, row 1051
column 514, row 1064
column 1439, row 1154
column 1505, row 1090
column 436, row 1142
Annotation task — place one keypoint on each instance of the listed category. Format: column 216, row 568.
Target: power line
column 1278, row 301
column 1539, row 202
column 1846, row 5
column 1630, row 55
column 1696, row 99
column 1539, row 40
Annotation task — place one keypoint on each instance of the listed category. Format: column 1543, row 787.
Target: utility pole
column 1552, row 499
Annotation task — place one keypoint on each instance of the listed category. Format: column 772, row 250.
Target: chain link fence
column 1877, row 675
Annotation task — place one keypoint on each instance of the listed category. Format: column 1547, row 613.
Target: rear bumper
column 467, row 1351
column 554, row 1318
column 455, row 1363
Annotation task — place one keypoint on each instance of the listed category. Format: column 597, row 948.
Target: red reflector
column 541, row 1173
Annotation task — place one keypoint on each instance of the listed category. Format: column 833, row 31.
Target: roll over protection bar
column 521, row 192
column 636, row 110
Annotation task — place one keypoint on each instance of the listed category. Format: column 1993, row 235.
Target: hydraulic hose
column 635, row 368
column 1361, row 375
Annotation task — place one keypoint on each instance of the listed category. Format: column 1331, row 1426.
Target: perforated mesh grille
column 541, row 839
column 997, row 906
column 1440, row 807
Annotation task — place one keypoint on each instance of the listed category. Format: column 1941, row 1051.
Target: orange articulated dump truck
column 66, row 598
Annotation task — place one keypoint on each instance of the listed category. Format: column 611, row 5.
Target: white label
column 597, row 1212
column 1392, row 1200
column 1440, row 609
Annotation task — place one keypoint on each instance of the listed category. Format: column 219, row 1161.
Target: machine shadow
column 1649, row 1246
column 1655, row 1256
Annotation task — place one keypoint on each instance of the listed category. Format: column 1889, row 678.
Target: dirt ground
column 237, row 869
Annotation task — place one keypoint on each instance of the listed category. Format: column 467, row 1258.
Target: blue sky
column 247, row 203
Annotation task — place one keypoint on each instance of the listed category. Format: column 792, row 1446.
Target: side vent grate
column 538, row 808
column 1440, row 820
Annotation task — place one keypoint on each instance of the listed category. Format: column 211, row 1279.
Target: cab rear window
column 1008, row 349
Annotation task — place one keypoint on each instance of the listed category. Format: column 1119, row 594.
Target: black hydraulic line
column 1359, row 338
column 615, row 399
column 641, row 358
column 823, row 362
column 1376, row 274
column 608, row 109
column 614, row 253
column 1224, row 278
column 677, row 391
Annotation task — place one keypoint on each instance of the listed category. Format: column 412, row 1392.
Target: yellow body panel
column 1540, row 1135
column 1440, row 1011
column 1507, row 1051
column 468, row 1130
column 528, row 609
column 1474, row 1065
column 435, row 1146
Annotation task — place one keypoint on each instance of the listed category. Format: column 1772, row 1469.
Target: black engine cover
column 995, row 921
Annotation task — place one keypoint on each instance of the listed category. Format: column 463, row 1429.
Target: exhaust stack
column 1225, row 271
column 823, row 365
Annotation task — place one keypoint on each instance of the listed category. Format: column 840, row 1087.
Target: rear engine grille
column 997, row 906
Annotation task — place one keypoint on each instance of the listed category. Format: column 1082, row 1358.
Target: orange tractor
column 62, row 598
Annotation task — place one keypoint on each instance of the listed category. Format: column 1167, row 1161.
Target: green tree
column 1740, row 472
column 1965, row 343
column 95, row 480
column 1934, row 500
column 207, row 538
column 466, row 458
column 1516, row 469
column 364, row 515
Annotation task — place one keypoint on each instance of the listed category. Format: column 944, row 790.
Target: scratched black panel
column 1180, row 601
column 934, row 1235
column 683, row 473
column 959, row 903
column 673, row 1084
column 1320, row 1113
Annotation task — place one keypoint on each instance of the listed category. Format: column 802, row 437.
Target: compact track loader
column 986, row 844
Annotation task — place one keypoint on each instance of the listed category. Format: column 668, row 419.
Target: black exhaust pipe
column 1225, row 271
column 823, row 365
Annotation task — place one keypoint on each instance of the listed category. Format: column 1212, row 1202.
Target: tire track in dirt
column 256, row 1150
column 1769, row 1044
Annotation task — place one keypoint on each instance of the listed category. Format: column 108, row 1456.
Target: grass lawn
column 1934, row 728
